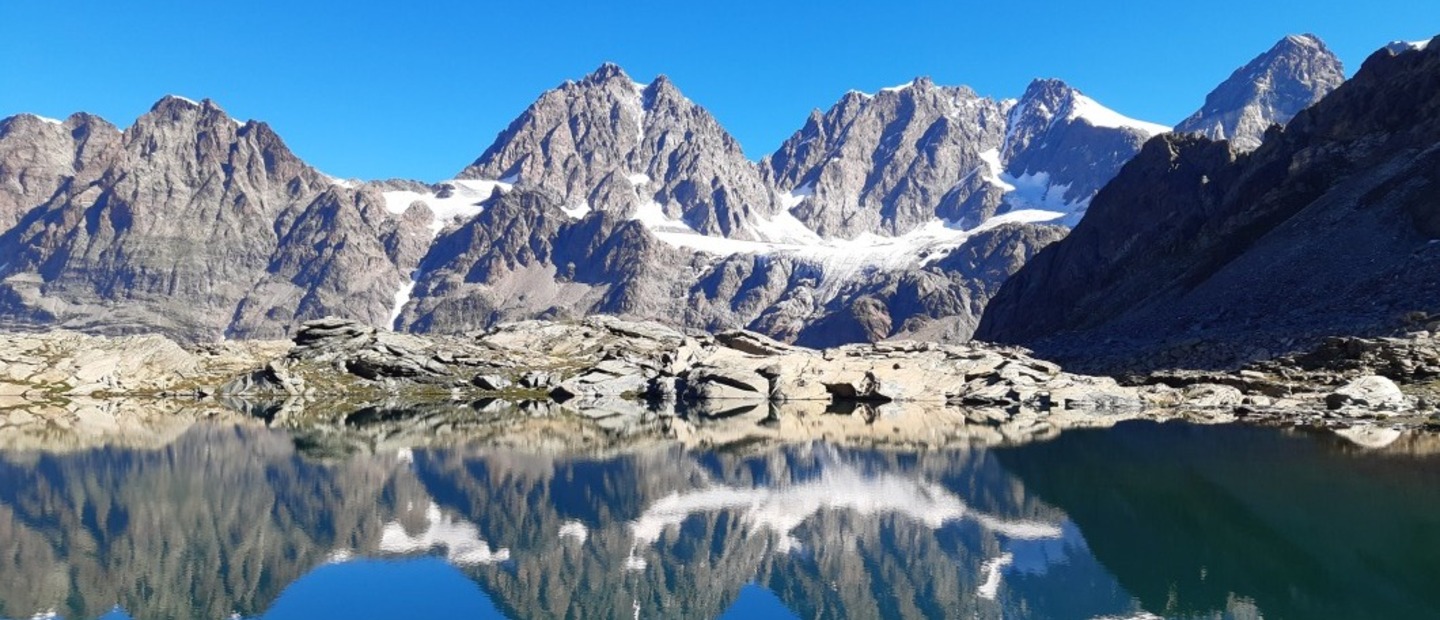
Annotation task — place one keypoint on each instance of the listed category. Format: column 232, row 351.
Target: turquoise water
column 1139, row 521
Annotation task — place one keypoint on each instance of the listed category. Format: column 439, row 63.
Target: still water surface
column 1139, row 521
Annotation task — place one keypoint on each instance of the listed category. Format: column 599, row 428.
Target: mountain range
column 895, row 213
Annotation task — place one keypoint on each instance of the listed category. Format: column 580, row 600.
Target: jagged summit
column 1306, row 40
column 608, row 144
column 894, row 162
column 1269, row 90
column 1054, row 97
column 606, row 71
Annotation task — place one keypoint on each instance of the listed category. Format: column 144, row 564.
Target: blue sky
column 414, row 89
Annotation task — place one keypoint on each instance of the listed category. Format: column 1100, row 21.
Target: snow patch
column 1400, row 47
column 994, row 170
column 574, row 530
column 653, row 216
column 898, row 88
column 461, row 203
column 349, row 184
column 840, row 259
column 402, row 297
column 638, row 178
column 1090, row 111
column 576, row 212
column 461, row 540
column 1034, row 190
column 44, row 119
column 185, row 99
column 633, row 561
column 794, row 197
column 992, row 569
column 785, row 228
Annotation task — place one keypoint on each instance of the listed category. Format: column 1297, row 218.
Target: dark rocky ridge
column 1198, row 255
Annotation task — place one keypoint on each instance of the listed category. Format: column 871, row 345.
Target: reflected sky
column 1143, row 520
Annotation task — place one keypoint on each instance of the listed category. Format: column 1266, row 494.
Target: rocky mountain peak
column 1306, row 41
column 921, row 83
column 605, row 72
column 609, row 144
column 1044, row 100
column 1269, row 90
column 1050, row 92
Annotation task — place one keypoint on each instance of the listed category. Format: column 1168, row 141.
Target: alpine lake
column 224, row 519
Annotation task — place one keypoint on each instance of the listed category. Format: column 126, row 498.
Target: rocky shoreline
column 602, row 381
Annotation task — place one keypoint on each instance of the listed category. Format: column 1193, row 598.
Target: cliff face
column 1328, row 227
column 189, row 223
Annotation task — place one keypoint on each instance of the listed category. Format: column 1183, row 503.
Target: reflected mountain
column 241, row 521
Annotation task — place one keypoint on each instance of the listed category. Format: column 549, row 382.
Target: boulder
column 1212, row 396
column 726, row 383
column 493, row 383
column 1372, row 393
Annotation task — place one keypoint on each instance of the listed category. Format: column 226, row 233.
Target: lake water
column 1143, row 520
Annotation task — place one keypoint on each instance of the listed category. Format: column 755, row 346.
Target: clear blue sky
column 413, row 89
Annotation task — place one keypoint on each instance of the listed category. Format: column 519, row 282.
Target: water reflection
column 1180, row 521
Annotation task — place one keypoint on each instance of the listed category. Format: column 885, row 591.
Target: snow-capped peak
column 181, row 98
column 43, row 119
column 1400, row 47
column 1090, row 111
column 897, row 88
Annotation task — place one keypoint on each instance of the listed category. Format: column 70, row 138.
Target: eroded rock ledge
column 602, row 378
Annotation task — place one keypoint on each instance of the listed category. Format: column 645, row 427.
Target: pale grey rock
column 1213, row 396
column 1371, row 393
column 1269, row 90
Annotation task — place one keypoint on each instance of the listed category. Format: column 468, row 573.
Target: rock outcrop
column 603, row 380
